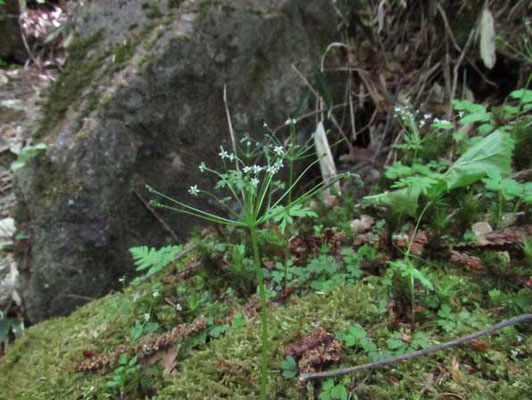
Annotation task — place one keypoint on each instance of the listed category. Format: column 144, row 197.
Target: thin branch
column 231, row 131
column 457, row 67
column 433, row 349
column 157, row 216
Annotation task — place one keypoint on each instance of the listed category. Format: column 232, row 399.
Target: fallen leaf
column 394, row 380
column 480, row 345
column 362, row 224
column 455, row 370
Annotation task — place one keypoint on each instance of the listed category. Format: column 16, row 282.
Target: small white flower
column 155, row 294
column 230, row 156
column 256, row 168
column 427, row 116
column 246, row 169
column 91, row 389
column 278, row 150
column 146, row 317
column 264, row 125
column 272, row 169
column 255, row 182
column 121, row 280
column 397, row 109
column 194, row 191
column 202, row 167
column 278, row 164
column 461, row 114
column 223, row 154
column 95, row 334
column 178, row 307
column 291, row 121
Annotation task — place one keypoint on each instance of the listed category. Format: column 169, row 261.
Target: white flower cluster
column 424, row 120
column 404, row 113
column 440, row 121
column 225, row 154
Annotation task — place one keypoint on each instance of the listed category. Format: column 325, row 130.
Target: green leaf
column 484, row 129
column 339, row 392
column 368, row 345
column 289, row 367
column 523, row 95
column 476, row 117
column 445, row 125
column 238, row 321
column 401, row 201
column 323, row 90
column 218, row 330
column 397, row 170
column 493, row 152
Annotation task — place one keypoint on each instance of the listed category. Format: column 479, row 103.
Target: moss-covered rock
column 140, row 102
column 42, row 364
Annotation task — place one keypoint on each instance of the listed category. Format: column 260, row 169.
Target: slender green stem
column 413, row 305
column 264, row 314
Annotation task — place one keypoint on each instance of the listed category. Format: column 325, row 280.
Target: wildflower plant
column 255, row 196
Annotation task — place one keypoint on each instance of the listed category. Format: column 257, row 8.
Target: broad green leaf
column 402, row 200
column 510, row 110
column 484, row 129
column 476, row 117
column 339, row 392
column 494, row 152
column 466, row 105
column 523, row 95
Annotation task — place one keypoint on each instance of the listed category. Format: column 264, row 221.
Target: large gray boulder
column 11, row 45
column 140, row 102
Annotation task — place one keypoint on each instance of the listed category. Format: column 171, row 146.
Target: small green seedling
column 289, row 367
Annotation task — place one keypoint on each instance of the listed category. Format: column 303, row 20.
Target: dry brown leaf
column 146, row 347
column 357, row 154
column 455, row 370
column 471, row 261
column 315, row 351
column 480, row 345
column 394, row 380
column 362, row 224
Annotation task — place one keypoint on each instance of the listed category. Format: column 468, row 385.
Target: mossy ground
column 41, row 364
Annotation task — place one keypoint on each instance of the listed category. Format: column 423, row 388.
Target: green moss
column 152, row 10
column 228, row 368
column 76, row 76
column 41, row 365
column 174, row 3
column 123, row 52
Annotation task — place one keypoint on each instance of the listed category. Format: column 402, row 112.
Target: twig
column 433, row 349
column 157, row 217
column 457, row 67
column 448, row 29
column 307, row 115
column 230, row 124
